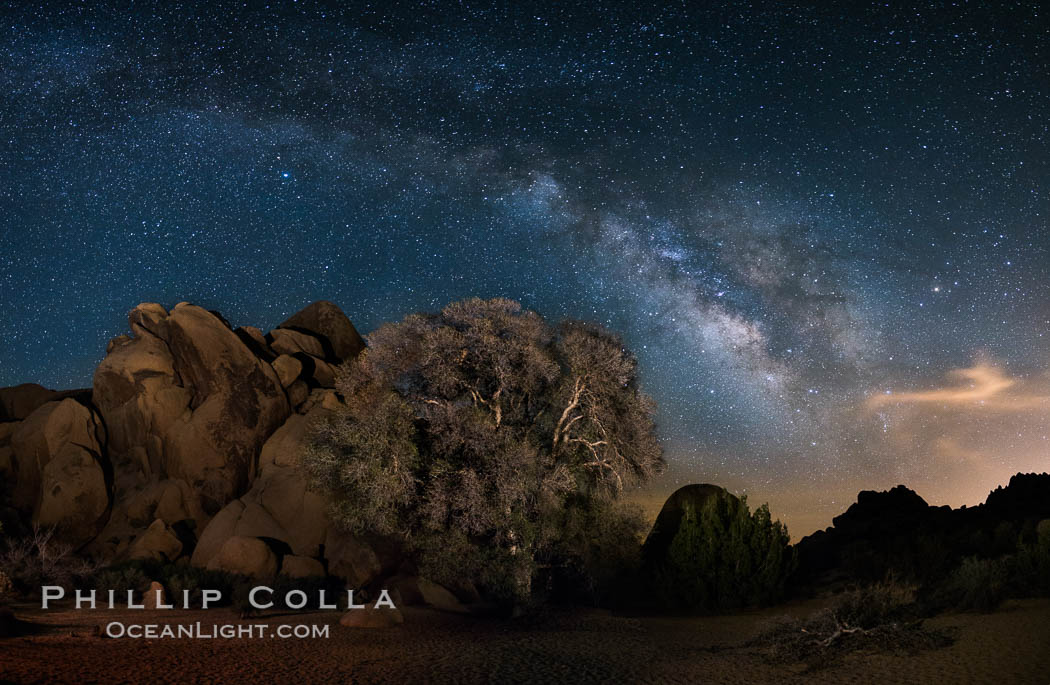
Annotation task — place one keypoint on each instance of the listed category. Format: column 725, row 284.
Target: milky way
column 824, row 233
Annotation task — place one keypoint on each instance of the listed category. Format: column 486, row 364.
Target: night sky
column 824, row 232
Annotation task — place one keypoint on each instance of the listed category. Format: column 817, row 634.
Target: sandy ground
column 1009, row 646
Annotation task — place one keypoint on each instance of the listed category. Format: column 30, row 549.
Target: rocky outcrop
column 288, row 369
column 18, row 402
column 896, row 533
column 245, row 556
column 290, row 342
column 1026, row 496
column 188, row 401
column 159, row 542
column 328, row 322
column 219, row 530
column 54, row 456
column 187, row 439
column 281, row 507
column 690, row 497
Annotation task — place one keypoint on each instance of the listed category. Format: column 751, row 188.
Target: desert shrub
column 876, row 605
column 179, row 578
column 723, row 557
column 881, row 617
column 121, row 578
column 975, row 585
column 137, row 574
column 1029, row 568
column 37, row 559
column 1004, row 539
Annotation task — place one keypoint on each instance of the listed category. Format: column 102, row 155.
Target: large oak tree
column 490, row 441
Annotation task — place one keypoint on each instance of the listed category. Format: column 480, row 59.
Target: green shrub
column 137, row 574
column 724, row 557
column 121, row 578
column 194, row 579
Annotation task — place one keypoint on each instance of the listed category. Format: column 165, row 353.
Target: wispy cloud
column 983, row 385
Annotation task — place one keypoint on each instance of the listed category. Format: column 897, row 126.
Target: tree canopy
column 486, row 438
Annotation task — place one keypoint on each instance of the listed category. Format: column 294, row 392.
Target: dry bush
column 877, row 618
column 39, row 559
column 5, row 584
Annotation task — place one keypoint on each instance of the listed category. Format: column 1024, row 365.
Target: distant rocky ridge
column 897, row 534
column 186, row 446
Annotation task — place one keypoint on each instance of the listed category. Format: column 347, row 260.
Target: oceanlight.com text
column 205, row 631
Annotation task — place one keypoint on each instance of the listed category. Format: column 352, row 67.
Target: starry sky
column 824, row 232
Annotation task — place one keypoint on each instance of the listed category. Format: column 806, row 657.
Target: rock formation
column 18, row 402
column 328, row 323
column 188, row 445
column 188, row 401
column 670, row 517
column 54, row 457
column 279, row 507
column 896, row 533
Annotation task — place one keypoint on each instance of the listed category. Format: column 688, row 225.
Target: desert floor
column 1009, row 646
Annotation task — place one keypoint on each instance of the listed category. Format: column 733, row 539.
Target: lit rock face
column 245, row 556
column 159, row 542
column 55, row 461
column 188, row 401
column 301, row 567
column 330, row 324
column 189, row 406
column 189, row 438
column 279, row 506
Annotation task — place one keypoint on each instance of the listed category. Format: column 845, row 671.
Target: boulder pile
column 187, row 446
